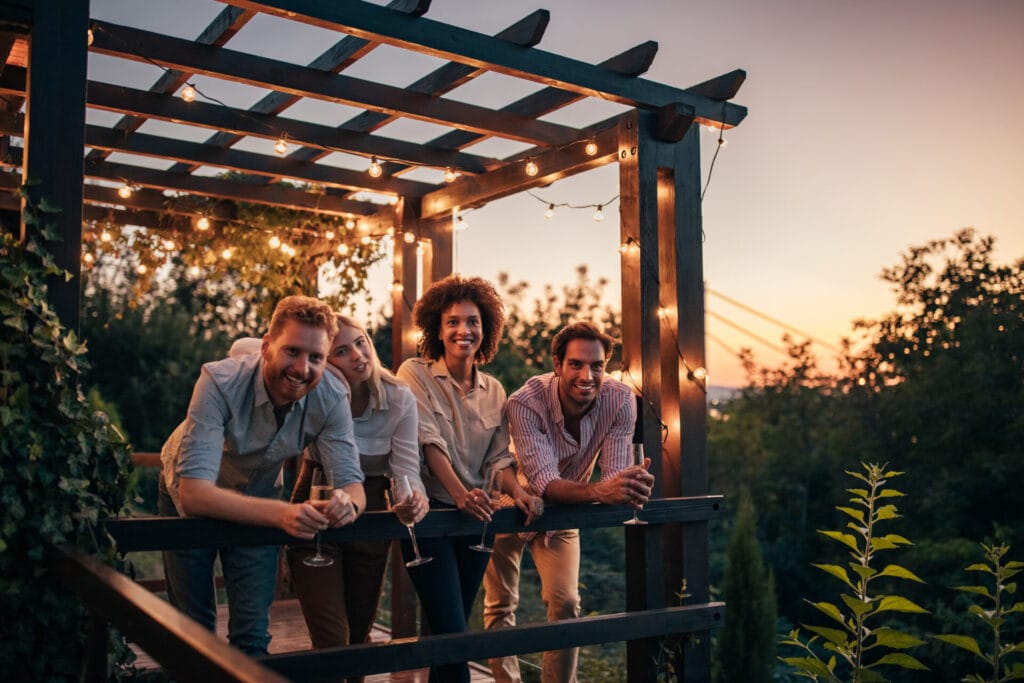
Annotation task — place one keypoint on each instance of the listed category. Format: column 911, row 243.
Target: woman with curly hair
column 463, row 434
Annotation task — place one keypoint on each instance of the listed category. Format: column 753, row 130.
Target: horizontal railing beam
column 172, row 533
column 415, row 653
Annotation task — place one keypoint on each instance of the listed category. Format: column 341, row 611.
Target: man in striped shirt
column 563, row 424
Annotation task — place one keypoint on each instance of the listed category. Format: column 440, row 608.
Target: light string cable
column 566, row 205
column 718, row 148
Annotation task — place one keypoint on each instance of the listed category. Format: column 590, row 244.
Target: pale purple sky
column 872, row 126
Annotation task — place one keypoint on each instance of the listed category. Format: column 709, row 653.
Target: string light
column 105, row 236
column 203, row 223
column 591, row 148
column 550, row 213
column 125, row 191
column 281, row 146
column 408, row 237
column 531, row 168
column 662, row 312
column 393, row 200
column 365, row 239
column 329, row 234
column 628, row 246
column 395, row 286
column 375, row 169
column 141, row 269
column 419, row 248
column 450, row 175
column 700, row 374
column 460, row 223
column 599, row 214
column 193, row 271
column 88, row 258
column 343, row 249
column 550, row 207
column 88, row 37
column 616, row 375
column 226, row 254
column 169, row 245
column 188, row 93
column 350, row 224
column 274, row 242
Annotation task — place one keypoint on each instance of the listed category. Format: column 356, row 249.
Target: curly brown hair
column 306, row 310
column 443, row 294
column 579, row 330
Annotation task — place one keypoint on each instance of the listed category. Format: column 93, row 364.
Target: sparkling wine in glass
column 401, row 505
column 638, row 459
column 320, row 493
column 493, row 488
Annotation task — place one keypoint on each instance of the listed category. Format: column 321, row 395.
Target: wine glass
column 493, row 488
column 401, row 505
column 320, row 492
column 638, row 459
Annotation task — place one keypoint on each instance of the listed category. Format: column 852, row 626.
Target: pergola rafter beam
column 262, row 72
column 440, row 40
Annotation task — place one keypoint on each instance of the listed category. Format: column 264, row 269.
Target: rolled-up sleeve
column 616, row 450
column 533, row 447
column 429, row 431
column 202, row 437
column 498, row 454
column 335, row 446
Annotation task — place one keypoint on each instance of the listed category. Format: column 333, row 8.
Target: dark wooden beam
column 672, row 122
column 53, row 136
column 136, row 44
column 336, row 58
column 721, row 88
column 219, row 31
column 512, row 178
column 632, row 62
column 434, row 38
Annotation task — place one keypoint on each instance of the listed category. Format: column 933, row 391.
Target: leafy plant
column 857, row 643
column 62, row 465
column 994, row 618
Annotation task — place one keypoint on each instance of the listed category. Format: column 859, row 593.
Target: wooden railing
column 189, row 652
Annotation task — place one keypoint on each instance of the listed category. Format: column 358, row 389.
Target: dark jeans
column 447, row 588
column 250, row 576
column 339, row 602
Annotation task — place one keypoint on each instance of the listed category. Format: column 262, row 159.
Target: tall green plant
column 62, row 466
column 994, row 615
column 861, row 645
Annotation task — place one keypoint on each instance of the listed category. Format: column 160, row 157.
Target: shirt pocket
column 491, row 420
column 442, row 411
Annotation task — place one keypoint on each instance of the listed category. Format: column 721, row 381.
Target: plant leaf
column 977, row 590
column 858, row 606
column 856, row 514
column 901, row 659
column 836, row 571
column 895, row 603
column 832, row 635
column 899, row 573
column 886, row 512
column 830, row 610
column 890, row 493
column 962, row 642
column 846, row 539
column 890, row 637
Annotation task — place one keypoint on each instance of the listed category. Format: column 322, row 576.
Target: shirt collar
column 260, row 390
column 555, row 404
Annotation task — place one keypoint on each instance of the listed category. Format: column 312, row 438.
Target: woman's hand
column 532, row 506
column 420, row 506
column 475, row 503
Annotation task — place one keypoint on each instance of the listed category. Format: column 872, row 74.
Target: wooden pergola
column 655, row 144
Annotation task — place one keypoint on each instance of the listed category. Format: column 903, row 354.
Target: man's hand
column 302, row 520
column 475, row 503
column 631, row 485
column 532, row 506
column 340, row 509
column 420, row 506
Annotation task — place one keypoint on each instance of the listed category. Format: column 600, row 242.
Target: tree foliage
column 63, row 466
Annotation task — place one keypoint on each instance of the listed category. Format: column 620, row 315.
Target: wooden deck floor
column 289, row 634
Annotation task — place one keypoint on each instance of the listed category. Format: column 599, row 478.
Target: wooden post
column 55, row 136
column 405, row 275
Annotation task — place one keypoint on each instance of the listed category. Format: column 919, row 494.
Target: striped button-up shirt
column 545, row 449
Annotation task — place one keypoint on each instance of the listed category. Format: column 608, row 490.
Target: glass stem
column 483, row 536
column 318, row 544
column 415, row 546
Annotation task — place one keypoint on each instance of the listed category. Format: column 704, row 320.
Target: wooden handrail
column 184, row 648
column 173, row 533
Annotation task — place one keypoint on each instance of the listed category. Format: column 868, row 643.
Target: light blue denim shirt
column 230, row 436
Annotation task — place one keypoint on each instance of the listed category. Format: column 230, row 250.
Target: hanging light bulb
column 343, row 249
column 281, row 146
column 722, row 142
column 125, row 191
column 350, row 224
column 393, row 200
column 591, row 148
column 226, row 254
column 550, row 213
column 662, row 312
column 700, row 374
column 105, row 236
column 141, row 269
column 419, row 248
column 88, row 258
column 397, row 286
column 531, row 168
column 460, row 224
column 169, row 245
column 193, row 271
column 616, row 375
column 350, row 271
column 88, row 37
column 599, row 214
column 188, row 93
column 365, row 239
column 409, row 237
column 274, row 242
column 203, row 223
column 375, row 169
column 329, row 234
column 449, row 175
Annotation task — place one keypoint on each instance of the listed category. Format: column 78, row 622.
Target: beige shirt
column 470, row 428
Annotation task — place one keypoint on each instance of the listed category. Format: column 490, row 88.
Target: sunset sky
column 872, row 126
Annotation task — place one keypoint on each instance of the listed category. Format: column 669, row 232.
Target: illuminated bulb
column 460, row 224
column 550, row 213
column 226, row 254
column 350, row 271
column 105, row 236
column 281, row 146
column 711, row 128
column 329, row 234
column 188, row 93
column 141, row 269
column 390, row 231
column 88, row 37
column 125, row 191
column 599, row 214
column 616, row 375
column 284, row 247
column 591, row 148
column 722, row 142
column 365, row 239
column 274, row 242
column 349, row 224
column 397, row 286
column 409, row 238
column 392, row 200
column 700, row 374
column 449, row 175
column 419, row 248
column 662, row 312
column 418, row 336
column 343, row 249
column 169, row 245
column 88, row 258
column 203, row 223
column 193, row 271
column 531, row 168
column 375, row 169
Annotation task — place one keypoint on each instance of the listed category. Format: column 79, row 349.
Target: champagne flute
column 493, row 488
column 401, row 505
column 638, row 459
column 320, row 493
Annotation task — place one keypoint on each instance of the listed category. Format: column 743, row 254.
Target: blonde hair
column 378, row 373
